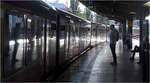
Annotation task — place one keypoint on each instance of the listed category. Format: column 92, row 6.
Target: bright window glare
column 82, row 7
column 66, row 2
column 148, row 18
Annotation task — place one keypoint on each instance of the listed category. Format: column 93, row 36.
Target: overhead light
column 29, row 20
column 147, row 4
column 132, row 13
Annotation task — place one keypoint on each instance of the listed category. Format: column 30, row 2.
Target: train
column 36, row 39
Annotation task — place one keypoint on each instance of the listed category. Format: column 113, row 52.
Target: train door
column 34, row 41
column 144, row 44
column 78, row 25
column 13, row 57
column 93, row 40
column 77, row 38
column 51, row 44
column 92, row 34
column 62, row 38
column 80, row 37
column 71, row 39
column 67, row 42
column 88, row 34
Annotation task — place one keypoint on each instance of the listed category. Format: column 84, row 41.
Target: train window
column 51, row 44
column 34, row 36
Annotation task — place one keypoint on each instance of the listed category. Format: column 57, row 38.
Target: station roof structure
column 118, row 9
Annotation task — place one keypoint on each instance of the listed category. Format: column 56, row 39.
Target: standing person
column 16, row 34
column 114, row 37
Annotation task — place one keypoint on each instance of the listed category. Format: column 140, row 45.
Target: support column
column 130, row 25
column 144, row 48
column 141, row 35
column 124, row 31
column 144, row 44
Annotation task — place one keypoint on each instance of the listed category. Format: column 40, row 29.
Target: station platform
column 95, row 66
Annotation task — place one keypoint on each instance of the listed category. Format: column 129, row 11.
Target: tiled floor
column 95, row 67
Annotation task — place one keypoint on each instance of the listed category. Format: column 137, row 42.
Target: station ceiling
column 118, row 9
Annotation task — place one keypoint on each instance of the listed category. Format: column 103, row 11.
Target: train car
column 73, row 34
column 37, row 38
column 28, row 40
column 99, row 33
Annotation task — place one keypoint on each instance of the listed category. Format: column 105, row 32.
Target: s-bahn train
column 37, row 38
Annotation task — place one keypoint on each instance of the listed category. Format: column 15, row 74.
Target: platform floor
column 95, row 66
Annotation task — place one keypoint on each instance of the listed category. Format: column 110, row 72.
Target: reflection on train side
column 32, row 39
column 99, row 33
column 20, row 41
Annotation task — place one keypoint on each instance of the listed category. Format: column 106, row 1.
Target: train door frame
column 62, row 39
column 3, row 43
column 96, row 34
column 79, row 36
column 76, row 35
column 78, row 27
column 57, row 39
column 65, row 41
column 43, row 40
column 13, row 13
column 45, row 44
column 67, row 34
column 91, row 33
column 144, row 45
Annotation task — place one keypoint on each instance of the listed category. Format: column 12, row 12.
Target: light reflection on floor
column 95, row 67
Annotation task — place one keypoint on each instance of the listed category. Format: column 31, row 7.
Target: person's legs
column 136, row 49
column 132, row 57
column 15, row 51
column 112, row 46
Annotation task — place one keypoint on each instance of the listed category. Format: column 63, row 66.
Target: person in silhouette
column 136, row 49
column 114, row 37
column 16, row 37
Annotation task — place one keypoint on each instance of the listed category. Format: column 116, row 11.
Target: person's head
column 112, row 26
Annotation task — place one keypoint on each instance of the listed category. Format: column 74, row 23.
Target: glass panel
column 34, row 39
column 51, row 43
column 52, row 39
column 14, row 60
column 72, row 40
column 93, row 40
column 67, row 42
column 62, row 43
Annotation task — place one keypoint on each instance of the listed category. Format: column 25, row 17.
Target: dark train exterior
column 36, row 39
